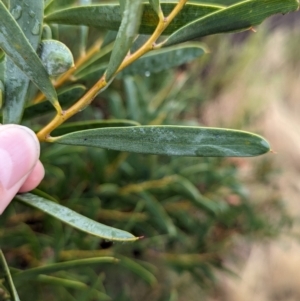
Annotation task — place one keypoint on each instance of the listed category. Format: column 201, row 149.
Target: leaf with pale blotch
column 74, row 219
column 171, row 140
column 4, row 272
column 126, row 34
column 108, row 16
column 56, row 57
column 237, row 17
column 91, row 124
column 164, row 59
column 17, row 47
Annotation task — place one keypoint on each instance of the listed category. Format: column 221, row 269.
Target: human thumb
column 19, row 153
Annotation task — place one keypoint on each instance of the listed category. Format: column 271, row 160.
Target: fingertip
column 34, row 178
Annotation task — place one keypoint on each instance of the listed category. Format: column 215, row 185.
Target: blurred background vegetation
column 200, row 217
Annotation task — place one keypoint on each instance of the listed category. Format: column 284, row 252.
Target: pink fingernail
column 19, row 151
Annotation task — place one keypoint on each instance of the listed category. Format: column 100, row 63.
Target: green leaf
column 4, row 270
column 172, row 141
column 184, row 187
column 2, row 77
column 164, row 59
column 92, row 124
column 17, row 47
column 66, row 96
column 1, row 93
column 61, row 266
column 237, row 17
column 56, row 57
column 29, row 17
column 122, row 5
column 71, row 284
column 159, row 215
column 126, row 34
column 109, row 16
column 44, row 195
column 74, row 219
column 156, row 6
column 84, row 31
column 138, row 270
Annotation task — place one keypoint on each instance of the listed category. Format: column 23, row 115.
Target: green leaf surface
column 29, row 17
column 237, row 17
column 1, row 93
column 137, row 269
column 66, row 96
column 44, row 195
column 4, row 271
column 155, row 5
column 84, row 31
column 71, row 284
column 56, row 57
column 159, row 214
column 172, row 141
column 2, row 76
column 74, row 219
column 126, row 34
column 92, row 124
column 164, row 59
column 109, row 16
column 17, row 47
column 187, row 189
column 61, row 266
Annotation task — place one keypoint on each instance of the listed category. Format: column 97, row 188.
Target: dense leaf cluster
column 186, row 221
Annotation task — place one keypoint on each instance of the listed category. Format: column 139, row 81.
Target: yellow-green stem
column 44, row 134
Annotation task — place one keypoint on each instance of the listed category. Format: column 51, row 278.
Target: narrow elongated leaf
column 2, row 77
column 29, row 17
column 71, row 284
column 4, row 270
column 164, row 59
column 44, row 195
column 92, row 124
column 84, row 30
column 74, row 219
column 1, row 93
column 184, row 187
column 155, row 5
column 62, row 266
column 109, row 16
column 159, row 215
column 126, row 34
column 15, row 44
column 138, row 270
column 66, row 96
column 237, row 17
column 172, row 141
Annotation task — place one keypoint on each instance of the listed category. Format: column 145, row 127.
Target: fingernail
column 19, row 151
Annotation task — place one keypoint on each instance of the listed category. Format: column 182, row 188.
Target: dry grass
column 267, row 88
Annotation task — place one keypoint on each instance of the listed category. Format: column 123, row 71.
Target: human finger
column 19, row 153
column 34, row 178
